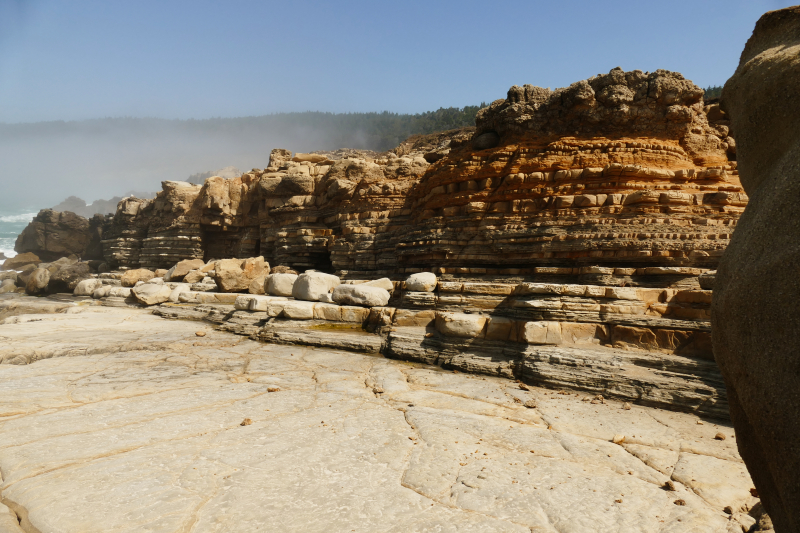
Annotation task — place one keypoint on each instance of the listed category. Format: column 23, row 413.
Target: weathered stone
column 37, row 281
column 362, row 295
column 194, row 276
column 280, row 284
column 151, row 293
column 460, row 324
column 756, row 307
column 421, row 282
column 132, row 277
column 312, row 286
column 383, row 283
column 66, row 278
column 542, row 332
column 235, row 275
column 298, row 310
column 87, row 287
column 20, row 261
column 8, row 285
column 52, row 234
column 179, row 271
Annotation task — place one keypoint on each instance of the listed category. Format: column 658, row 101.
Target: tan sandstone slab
column 127, row 422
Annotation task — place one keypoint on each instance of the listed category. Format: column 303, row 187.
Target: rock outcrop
column 622, row 169
column 53, row 234
column 756, row 311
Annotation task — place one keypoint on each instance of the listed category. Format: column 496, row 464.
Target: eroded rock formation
column 626, row 168
column 756, row 309
column 53, row 234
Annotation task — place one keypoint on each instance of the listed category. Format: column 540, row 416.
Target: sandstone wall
column 622, row 169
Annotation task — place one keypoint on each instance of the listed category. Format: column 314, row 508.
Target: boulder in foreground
column 236, row 275
column 756, row 305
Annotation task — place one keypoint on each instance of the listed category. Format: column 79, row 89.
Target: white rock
column 310, row 286
column 177, row 290
column 152, row 293
column 383, row 283
column 267, row 303
column 87, row 287
column 298, row 310
column 280, row 284
column 118, row 292
column 542, row 332
column 460, row 324
column 421, row 282
column 362, row 295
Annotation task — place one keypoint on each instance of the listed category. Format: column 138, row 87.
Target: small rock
column 200, row 333
column 728, row 509
column 246, row 422
column 618, row 439
column 679, row 502
column 669, row 485
column 753, row 492
column 626, row 406
column 699, row 422
column 600, row 398
column 523, row 386
column 719, row 436
column 530, row 404
column 273, row 389
column 377, row 390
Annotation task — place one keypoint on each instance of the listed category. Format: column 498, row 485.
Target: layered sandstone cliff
column 626, row 169
column 622, row 169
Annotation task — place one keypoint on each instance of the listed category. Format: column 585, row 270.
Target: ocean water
column 11, row 224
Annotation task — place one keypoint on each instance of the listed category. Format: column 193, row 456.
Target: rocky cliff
column 626, row 168
column 54, row 234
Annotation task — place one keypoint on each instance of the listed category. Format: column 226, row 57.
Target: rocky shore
column 500, row 328
column 116, row 410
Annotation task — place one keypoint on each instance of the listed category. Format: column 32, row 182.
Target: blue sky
column 80, row 59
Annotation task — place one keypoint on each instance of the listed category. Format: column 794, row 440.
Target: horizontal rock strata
column 623, row 169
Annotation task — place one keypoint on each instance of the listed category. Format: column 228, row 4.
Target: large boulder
column 8, row 274
column 66, row 278
column 53, row 234
column 236, row 275
column 179, row 271
column 132, row 277
column 362, row 295
column 280, row 284
column 421, row 282
column 20, row 261
column 756, row 307
column 37, row 281
column 151, row 293
column 314, row 286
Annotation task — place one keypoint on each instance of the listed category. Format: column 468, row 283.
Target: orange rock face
column 626, row 169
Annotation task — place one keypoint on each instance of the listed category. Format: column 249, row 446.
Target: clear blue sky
column 79, row 59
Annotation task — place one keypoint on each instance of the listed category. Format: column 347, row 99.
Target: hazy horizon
column 182, row 62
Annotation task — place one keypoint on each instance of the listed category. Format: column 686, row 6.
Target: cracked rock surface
column 115, row 420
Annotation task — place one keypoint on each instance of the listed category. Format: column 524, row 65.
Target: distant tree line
column 373, row 131
column 715, row 91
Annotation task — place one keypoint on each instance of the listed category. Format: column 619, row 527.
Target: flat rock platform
column 117, row 420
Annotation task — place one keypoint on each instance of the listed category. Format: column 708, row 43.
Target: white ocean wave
column 25, row 217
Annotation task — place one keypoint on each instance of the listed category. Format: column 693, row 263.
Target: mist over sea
column 12, row 222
